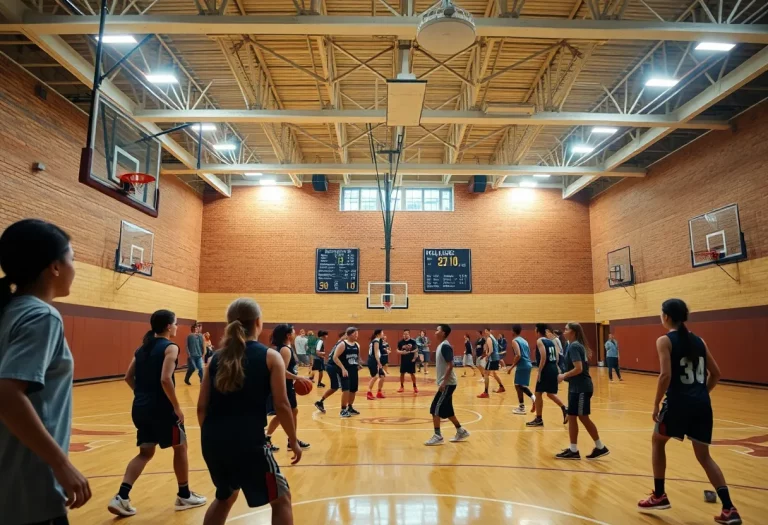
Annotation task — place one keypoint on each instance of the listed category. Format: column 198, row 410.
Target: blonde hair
column 579, row 331
column 242, row 315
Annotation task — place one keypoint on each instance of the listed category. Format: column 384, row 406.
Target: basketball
column 302, row 387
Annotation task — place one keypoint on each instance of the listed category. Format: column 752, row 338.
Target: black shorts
column 374, row 370
column 161, row 432
column 384, row 360
column 442, row 404
column 291, row 399
column 679, row 419
column 547, row 380
column 492, row 365
column 407, row 367
column 579, row 403
column 349, row 383
column 335, row 375
column 318, row 364
column 247, row 467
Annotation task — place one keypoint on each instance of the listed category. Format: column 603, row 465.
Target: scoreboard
column 447, row 270
column 337, row 270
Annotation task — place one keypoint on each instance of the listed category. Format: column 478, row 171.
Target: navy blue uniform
column 233, row 434
column 373, row 366
column 479, row 347
column 318, row 363
column 687, row 409
column 333, row 371
column 293, row 369
column 349, row 358
column 547, row 380
column 152, row 412
column 407, row 361
column 384, row 355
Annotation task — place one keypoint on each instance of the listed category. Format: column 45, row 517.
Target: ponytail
column 159, row 323
column 230, row 374
column 148, row 338
column 580, row 338
column 677, row 311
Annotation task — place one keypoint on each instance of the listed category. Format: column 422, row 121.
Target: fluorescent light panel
column 252, row 174
column 604, row 131
column 162, row 78
column 542, row 175
column 582, row 148
column 714, row 46
column 118, row 39
column 206, row 127
column 267, row 182
column 224, row 147
column 528, row 184
column 661, row 82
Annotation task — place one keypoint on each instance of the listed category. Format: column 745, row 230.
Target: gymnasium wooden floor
column 374, row 469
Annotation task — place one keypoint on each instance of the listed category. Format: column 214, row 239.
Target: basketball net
column 387, row 306
column 136, row 181
column 713, row 255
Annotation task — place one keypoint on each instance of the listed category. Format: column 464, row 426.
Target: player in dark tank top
column 688, row 375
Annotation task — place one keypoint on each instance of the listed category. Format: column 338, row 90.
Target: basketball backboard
column 620, row 269
column 121, row 146
column 136, row 245
column 716, row 237
column 387, row 296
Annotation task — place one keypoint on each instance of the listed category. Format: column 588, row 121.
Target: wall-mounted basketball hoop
column 135, row 182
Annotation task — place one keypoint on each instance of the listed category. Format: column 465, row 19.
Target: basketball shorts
column 468, row 360
column 373, row 369
column 162, row 432
column 492, row 365
column 349, row 383
column 579, row 403
column 291, row 399
column 318, row 364
column 250, row 468
column 481, row 362
column 424, row 355
column 547, row 381
column 407, row 367
column 384, row 359
column 678, row 420
column 442, row 404
column 522, row 376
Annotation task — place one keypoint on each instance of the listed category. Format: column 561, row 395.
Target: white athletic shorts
column 468, row 361
column 481, row 362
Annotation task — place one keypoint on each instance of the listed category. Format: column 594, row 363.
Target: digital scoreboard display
column 448, row 270
column 337, row 270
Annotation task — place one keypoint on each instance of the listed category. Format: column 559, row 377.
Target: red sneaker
column 380, row 395
column 370, row 397
column 654, row 503
column 484, row 395
column 500, row 390
column 415, row 390
column 729, row 517
column 400, row 390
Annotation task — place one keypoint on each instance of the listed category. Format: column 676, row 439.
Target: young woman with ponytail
column 232, row 411
column 688, row 375
column 282, row 338
column 579, row 393
column 37, row 480
column 156, row 413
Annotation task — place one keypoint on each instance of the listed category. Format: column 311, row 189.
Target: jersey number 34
column 688, row 378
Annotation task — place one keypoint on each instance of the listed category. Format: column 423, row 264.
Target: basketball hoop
column 708, row 256
column 387, row 306
column 136, row 182
column 142, row 267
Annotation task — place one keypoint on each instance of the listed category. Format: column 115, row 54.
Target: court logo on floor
column 85, row 446
column 395, row 420
column 757, row 445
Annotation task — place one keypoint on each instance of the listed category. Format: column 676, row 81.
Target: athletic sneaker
column 568, row 454
column 484, row 395
column 565, row 415
column 380, row 395
column 415, row 390
column 500, row 390
column 345, row 413
column 194, row 500
column 272, row 447
column 434, row 441
column 400, row 390
column 369, row 396
column 302, row 445
column 537, row 422
column 319, row 405
column 729, row 517
column 520, row 411
column 655, row 503
column 321, row 385
column 461, row 435
column 121, row 507
column 352, row 411
column 598, row 453
column 481, row 380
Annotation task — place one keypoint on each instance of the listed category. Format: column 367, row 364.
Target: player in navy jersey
column 318, row 363
column 385, row 351
column 468, row 360
column 346, row 361
column 547, row 380
column 375, row 364
column 156, row 413
column 479, row 351
column 688, row 375
column 333, row 375
column 232, row 413
column 282, row 337
column 521, row 364
column 408, row 349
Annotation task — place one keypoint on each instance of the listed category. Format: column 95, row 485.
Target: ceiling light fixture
column 542, row 175
column 224, row 147
column 714, row 46
column 205, row 127
column 118, row 39
column 267, row 182
column 664, row 82
column 528, row 184
column 582, row 148
column 162, row 78
column 604, row 131
column 252, row 174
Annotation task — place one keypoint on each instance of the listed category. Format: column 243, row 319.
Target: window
column 402, row 199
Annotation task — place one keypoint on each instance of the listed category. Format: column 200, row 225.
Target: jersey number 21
column 688, row 377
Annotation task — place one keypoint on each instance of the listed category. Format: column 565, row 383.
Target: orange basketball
column 302, row 387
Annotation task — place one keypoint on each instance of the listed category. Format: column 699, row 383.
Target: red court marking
column 750, row 443
column 80, row 432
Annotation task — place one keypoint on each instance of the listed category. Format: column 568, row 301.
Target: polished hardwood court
column 374, row 469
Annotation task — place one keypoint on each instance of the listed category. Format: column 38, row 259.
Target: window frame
column 445, row 198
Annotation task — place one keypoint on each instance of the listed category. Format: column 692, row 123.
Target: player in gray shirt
column 442, row 404
column 37, row 480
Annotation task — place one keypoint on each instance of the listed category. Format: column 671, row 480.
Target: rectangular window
column 402, row 199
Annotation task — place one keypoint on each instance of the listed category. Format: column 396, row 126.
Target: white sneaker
column 194, row 500
column 435, row 440
column 121, row 507
column 520, row 411
column 461, row 435
column 481, row 380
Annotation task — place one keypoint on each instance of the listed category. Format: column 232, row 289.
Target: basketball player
column 333, row 374
column 282, row 338
column 564, row 345
column 37, row 480
column 479, row 351
column 423, row 343
column 407, row 348
column 468, row 360
column 346, row 360
column 688, row 374
column 318, row 363
column 502, row 351
column 231, row 411
column 491, row 356
column 375, row 366
column 156, row 413
column 442, row 404
column 556, row 341
column 579, row 394
column 546, row 383
column 195, row 344
column 612, row 357
column 521, row 363
column 385, row 351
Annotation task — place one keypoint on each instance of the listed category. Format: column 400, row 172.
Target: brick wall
column 651, row 214
column 53, row 132
column 263, row 240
